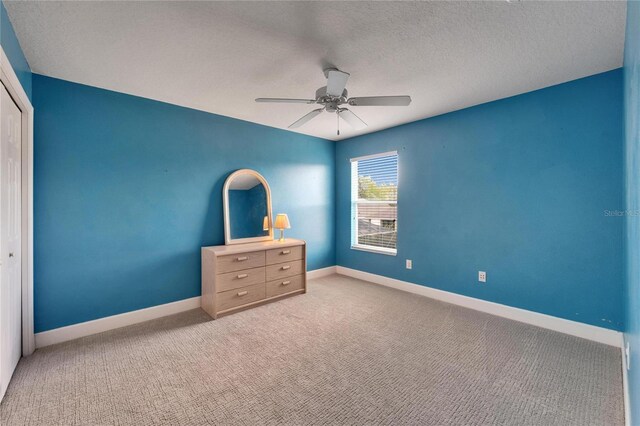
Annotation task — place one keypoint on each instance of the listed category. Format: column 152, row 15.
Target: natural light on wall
column 374, row 203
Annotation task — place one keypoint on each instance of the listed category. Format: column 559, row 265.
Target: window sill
column 377, row 250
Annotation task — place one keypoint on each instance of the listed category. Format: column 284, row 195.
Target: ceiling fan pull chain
column 338, row 121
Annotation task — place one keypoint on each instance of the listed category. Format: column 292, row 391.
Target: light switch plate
column 482, row 276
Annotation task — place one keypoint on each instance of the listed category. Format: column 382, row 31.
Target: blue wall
column 517, row 188
column 632, row 175
column 128, row 189
column 12, row 48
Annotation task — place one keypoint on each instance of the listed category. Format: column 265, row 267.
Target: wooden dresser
column 241, row 276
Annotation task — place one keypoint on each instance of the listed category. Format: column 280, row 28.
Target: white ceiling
column 219, row 56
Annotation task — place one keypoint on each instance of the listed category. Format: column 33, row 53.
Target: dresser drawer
column 242, row 278
column 240, row 296
column 287, row 269
column 285, row 285
column 236, row 262
column 285, row 254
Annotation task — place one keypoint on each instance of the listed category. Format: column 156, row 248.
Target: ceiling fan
column 333, row 95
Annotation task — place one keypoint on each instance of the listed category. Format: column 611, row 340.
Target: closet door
column 10, row 238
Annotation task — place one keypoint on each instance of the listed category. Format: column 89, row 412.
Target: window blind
column 374, row 202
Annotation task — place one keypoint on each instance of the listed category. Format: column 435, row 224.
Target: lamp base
column 281, row 239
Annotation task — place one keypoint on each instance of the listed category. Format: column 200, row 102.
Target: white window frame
column 354, row 207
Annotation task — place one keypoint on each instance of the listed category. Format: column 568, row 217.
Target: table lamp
column 282, row 223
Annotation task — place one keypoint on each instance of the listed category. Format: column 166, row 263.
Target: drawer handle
column 286, row 282
column 240, row 276
column 241, row 258
column 243, row 293
column 285, row 252
column 284, row 268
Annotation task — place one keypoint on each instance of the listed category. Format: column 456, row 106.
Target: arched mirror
column 247, row 208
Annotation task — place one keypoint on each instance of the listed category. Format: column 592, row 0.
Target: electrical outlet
column 627, row 352
column 409, row 264
column 482, row 276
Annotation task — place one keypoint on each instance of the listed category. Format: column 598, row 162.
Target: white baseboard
column 319, row 273
column 585, row 331
column 83, row 329
column 625, row 385
column 88, row 328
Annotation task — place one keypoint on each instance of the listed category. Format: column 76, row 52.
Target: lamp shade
column 282, row 221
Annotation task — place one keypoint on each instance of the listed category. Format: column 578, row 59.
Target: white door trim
column 625, row 383
column 10, row 80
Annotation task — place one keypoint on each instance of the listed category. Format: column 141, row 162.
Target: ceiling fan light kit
column 333, row 95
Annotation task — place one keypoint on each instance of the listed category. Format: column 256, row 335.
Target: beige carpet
column 347, row 352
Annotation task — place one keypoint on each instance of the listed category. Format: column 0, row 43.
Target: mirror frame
column 225, row 201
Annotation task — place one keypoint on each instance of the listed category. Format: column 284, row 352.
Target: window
column 374, row 203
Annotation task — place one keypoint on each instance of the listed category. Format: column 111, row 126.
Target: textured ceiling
column 219, row 56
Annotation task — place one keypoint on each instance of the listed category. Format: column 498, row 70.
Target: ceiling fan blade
column 380, row 101
column 353, row 120
column 305, row 118
column 336, row 82
column 287, row 100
